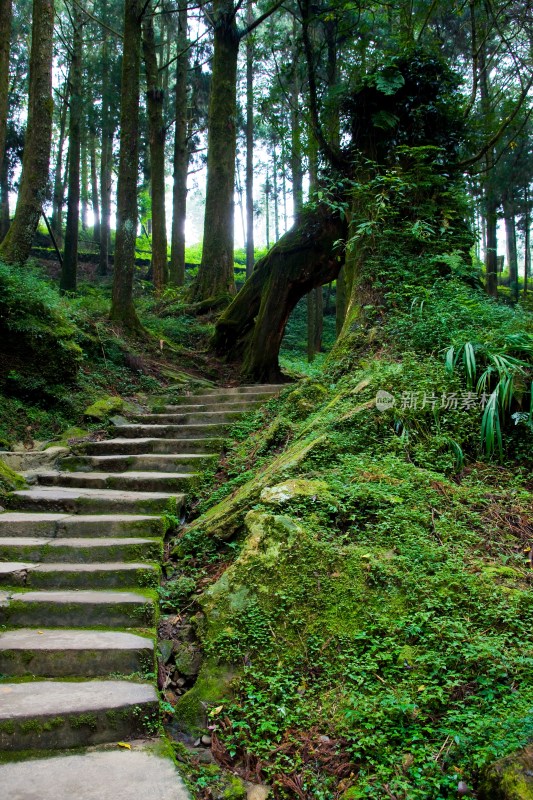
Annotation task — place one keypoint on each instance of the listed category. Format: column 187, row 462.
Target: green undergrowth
column 59, row 355
column 365, row 573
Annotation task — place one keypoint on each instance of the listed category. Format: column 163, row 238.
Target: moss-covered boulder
column 294, row 489
column 9, row 479
column 510, row 778
column 104, row 408
column 212, row 688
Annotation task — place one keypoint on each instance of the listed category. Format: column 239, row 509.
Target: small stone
column 165, row 648
column 197, row 743
column 463, row 789
column 206, row 740
column 180, row 682
column 257, row 791
column 324, row 739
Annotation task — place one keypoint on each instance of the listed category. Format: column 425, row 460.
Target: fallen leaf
column 124, row 745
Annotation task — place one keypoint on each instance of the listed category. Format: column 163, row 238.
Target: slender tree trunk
column 284, row 182
column 4, row 200
column 490, row 197
column 106, row 155
column 216, row 273
column 94, row 189
column 250, row 245
column 122, row 308
column 156, row 133
column 267, row 209
column 58, row 195
column 296, row 148
column 340, row 301
column 527, row 242
column 311, row 324
column 70, row 256
column 32, row 190
column 181, row 155
column 84, row 184
column 6, row 12
column 512, row 257
column 275, row 191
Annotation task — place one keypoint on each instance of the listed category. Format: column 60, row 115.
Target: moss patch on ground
column 371, row 590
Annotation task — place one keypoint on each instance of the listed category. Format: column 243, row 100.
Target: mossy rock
column 67, row 437
column 510, row 778
column 304, row 401
column 295, row 489
column 104, row 408
column 212, row 687
column 9, row 479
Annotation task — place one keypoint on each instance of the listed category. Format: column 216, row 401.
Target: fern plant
column 503, row 378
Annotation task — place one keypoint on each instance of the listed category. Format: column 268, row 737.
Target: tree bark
column 296, row 145
column 512, row 256
column 94, row 189
column 216, row 273
column 156, row 134
column 84, row 180
column 251, row 329
column 68, row 281
column 4, row 200
column 250, row 247
column 58, row 191
column 32, row 190
column 122, row 307
column 6, row 13
column 527, row 241
column 106, row 155
column 181, row 155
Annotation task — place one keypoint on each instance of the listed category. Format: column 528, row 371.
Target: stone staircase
column 80, row 554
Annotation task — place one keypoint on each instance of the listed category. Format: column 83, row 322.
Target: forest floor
column 358, row 578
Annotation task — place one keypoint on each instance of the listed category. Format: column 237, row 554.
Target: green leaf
column 389, row 80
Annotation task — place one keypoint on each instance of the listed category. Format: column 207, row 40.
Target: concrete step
column 147, row 462
column 79, row 551
column 117, row 774
column 55, row 526
column 103, row 575
column 94, row 501
column 138, row 431
column 74, row 653
column 256, row 388
column 128, row 481
column 77, row 609
column 192, row 418
column 222, row 397
column 151, row 445
column 188, row 408
column 50, row 715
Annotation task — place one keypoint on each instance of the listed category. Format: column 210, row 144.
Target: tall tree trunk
column 156, row 133
column 275, row 191
column 250, row 245
column 69, row 269
column 267, row 209
column 84, row 180
column 490, row 197
column 296, row 145
column 216, row 273
column 6, row 12
column 512, row 256
column 32, row 190
column 106, row 154
column 251, row 329
column 311, row 325
column 4, row 200
column 181, row 154
column 527, row 241
column 58, row 191
column 94, row 188
column 122, row 308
